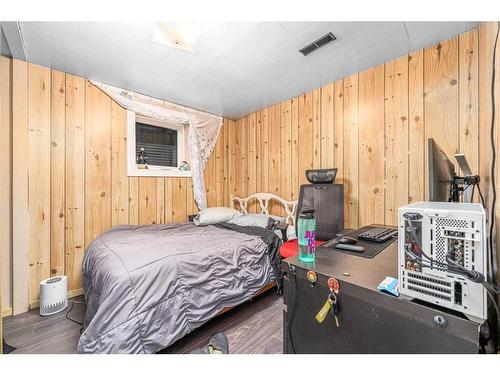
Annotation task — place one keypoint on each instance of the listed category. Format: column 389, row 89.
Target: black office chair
column 327, row 201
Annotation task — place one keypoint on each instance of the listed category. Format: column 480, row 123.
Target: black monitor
column 441, row 173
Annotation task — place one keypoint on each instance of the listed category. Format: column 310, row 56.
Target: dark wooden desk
column 370, row 321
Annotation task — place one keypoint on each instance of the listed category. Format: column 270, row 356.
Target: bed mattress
column 148, row 286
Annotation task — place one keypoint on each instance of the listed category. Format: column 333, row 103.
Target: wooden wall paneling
column 441, row 97
column 327, row 126
column 168, row 199
column 396, row 134
column 133, row 200
column 295, row 148
column 228, row 124
column 496, row 121
column 97, row 162
column 119, row 179
column 160, row 200
column 218, row 154
column 264, row 151
column 147, row 200
column 286, row 149
column 371, row 146
column 39, row 84
column 244, row 157
column 274, row 156
column 6, row 182
column 75, row 179
column 232, row 160
column 20, row 226
column 316, row 127
column 487, row 32
column 468, row 55
column 252, row 161
column 179, row 193
column 237, row 164
column 306, row 136
column 338, row 133
column 351, row 128
column 57, row 173
column 258, row 150
column 416, row 183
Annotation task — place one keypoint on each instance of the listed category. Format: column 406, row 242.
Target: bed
column 147, row 286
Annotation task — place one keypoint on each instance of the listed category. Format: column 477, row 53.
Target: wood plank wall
column 373, row 126
column 69, row 167
column 72, row 137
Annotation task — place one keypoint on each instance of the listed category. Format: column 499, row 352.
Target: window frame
column 154, row 170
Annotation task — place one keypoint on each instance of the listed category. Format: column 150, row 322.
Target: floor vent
column 317, row 44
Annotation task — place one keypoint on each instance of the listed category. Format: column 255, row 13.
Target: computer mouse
column 348, row 240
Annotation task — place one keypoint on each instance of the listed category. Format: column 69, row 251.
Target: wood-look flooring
column 252, row 328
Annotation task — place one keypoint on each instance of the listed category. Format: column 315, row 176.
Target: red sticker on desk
column 333, row 284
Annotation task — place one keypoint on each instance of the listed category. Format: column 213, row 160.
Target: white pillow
column 251, row 220
column 215, row 215
column 280, row 219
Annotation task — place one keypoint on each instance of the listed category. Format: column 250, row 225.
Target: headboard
column 264, row 199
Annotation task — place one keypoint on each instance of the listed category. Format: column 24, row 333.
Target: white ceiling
column 236, row 69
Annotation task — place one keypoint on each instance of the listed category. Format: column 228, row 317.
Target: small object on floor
column 389, row 285
column 7, row 348
column 217, row 344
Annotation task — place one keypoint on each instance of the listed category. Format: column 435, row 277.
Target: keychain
column 321, row 315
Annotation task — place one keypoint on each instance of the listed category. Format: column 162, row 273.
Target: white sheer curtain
column 203, row 129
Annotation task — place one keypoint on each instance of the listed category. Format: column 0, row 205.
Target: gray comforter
column 147, row 286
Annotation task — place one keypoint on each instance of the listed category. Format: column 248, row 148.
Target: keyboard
column 378, row 234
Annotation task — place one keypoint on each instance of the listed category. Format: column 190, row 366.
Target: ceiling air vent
column 317, row 44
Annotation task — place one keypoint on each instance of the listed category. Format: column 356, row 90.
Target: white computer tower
column 442, row 228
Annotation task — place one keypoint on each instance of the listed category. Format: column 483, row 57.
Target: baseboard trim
column 71, row 294
column 7, row 312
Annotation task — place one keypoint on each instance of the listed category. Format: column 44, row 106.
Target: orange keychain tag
column 334, row 285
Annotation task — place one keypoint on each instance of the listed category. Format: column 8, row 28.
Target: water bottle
column 307, row 236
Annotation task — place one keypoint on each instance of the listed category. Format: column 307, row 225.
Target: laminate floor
column 252, row 328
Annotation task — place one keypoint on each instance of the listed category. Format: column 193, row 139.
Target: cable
column 450, row 266
column 481, row 196
column 493, row 154
column 293, row 307
column 492, row 249
column 71, row 319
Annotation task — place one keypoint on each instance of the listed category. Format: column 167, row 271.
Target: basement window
column 155, row 148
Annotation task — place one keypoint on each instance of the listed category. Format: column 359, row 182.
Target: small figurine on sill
column 142, row 159
column 184, row 166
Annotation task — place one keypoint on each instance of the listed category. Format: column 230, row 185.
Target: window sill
column 158, row 172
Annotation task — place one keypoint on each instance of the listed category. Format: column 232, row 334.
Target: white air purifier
column 53, row 295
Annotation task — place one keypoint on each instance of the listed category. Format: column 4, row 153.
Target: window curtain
column 203, row 129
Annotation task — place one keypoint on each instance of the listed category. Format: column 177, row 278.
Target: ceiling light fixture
column 178, row 35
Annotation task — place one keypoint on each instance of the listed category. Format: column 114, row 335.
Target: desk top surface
column 364, row 272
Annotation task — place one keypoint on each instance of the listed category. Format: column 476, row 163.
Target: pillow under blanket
column 215, row 215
